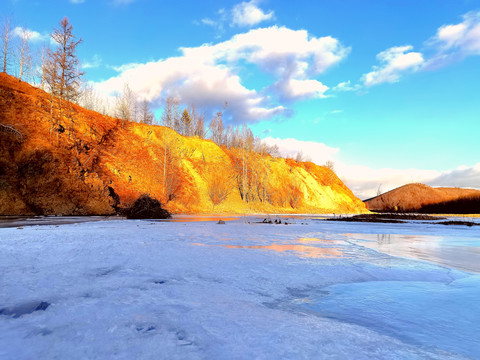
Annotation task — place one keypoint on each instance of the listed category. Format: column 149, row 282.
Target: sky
column 387, row 90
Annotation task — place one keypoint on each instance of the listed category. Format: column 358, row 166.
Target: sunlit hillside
column 423, row 198
column 59, row 158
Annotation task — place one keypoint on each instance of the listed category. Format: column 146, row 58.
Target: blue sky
column 388, row 90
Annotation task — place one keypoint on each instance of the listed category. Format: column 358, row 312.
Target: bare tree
column 170, row 113
column 330, row 165
column 146, row 115
column 5, row 33
column 62, row 75
column 216, row 128
column 198, row 123
column 91, row 99
column 41, row 69
column 124, row 107
column 23, row 53
column 299, row 157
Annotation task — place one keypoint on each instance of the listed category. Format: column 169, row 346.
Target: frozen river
column 183, row 289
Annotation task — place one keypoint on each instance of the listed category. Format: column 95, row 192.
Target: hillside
column 422, row 198
column 58, row 158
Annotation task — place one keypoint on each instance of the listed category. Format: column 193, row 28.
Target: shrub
column 146, row 207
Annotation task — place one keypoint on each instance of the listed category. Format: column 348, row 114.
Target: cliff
column 59, row 158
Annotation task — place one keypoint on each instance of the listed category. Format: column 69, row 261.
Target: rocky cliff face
column 58, row 158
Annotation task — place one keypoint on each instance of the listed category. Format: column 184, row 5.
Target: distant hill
column 59, row 158
column 423, row 198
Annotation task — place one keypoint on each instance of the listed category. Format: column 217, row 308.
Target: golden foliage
column 76, row 161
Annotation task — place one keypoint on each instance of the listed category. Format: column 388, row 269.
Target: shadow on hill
column 467, row 205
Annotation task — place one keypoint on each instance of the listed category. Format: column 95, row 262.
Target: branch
column 10, row 129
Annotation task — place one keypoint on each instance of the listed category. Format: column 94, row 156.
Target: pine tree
column 61, row 68
column 186, row 123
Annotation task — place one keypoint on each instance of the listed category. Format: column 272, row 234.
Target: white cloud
column 209, row 22
column 94, row 63
column 218, row 24
column 462, row 176
column 365, row 181
column 318, row 152
column 451, row 43
column 346, row 86
column 206, row 76
column 249, row 14
column 456, row 41
column 292, row 89
column 395, row 62
column 77, row 1
column 33, row 36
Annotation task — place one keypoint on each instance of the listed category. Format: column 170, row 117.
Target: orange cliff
column 59, row 158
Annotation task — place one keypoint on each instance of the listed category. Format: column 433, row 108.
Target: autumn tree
column 61, row 67
column 5, row 34
column 186, row 122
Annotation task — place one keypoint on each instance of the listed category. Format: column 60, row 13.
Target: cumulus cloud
column 319, row 153
column 463, row 176
column 396, row 61
column 451, row 43
column 32, row 36
column 249, row 14
column 292, row 89
column 205, row 75
column 365, row 181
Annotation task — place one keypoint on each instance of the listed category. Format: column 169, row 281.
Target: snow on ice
column 197, row 290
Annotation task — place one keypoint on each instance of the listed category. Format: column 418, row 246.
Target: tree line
column 57, row 71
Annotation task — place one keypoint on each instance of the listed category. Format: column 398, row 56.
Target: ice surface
column 197, row 290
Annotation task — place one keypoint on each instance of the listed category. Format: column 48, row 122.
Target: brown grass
column 414, row 197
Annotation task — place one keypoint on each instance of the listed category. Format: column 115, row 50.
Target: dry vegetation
column 59, row 158
column 423, row 198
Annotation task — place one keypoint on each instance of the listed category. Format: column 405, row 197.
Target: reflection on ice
column 300, row 250
column 316, row 248
column 442, row 250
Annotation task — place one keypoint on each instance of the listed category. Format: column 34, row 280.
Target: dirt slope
column 414, row 197
column 58, row 158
